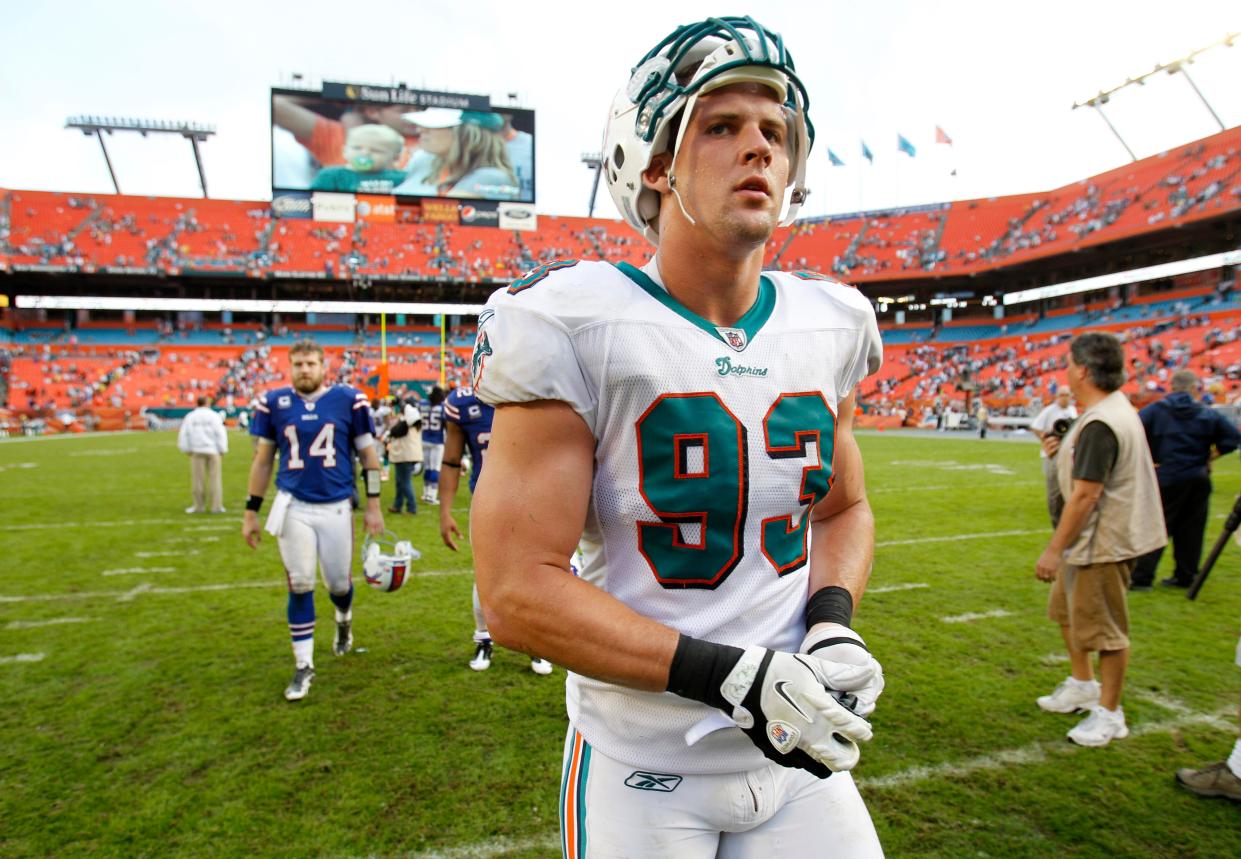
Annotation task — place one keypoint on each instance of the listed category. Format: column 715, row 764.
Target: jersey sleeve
column 523, row 354
column 868, row 354
column 262, row 425
column 361, row 423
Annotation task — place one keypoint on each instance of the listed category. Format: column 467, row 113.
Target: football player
column 317, row 428
column 432, row 409
column 692, row 421
column 467, row 425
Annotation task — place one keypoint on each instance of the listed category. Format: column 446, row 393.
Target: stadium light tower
column 1178, row 65
column 593, row 160
column 194, row 132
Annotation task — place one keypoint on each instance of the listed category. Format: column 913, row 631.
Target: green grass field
column 141, row 710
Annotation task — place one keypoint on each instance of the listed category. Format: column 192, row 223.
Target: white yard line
column 1038, row 752
column 55, row 621
column 212, row 528
column 951, row 538
column 68, row 436
column 886, row 589
column 493, row 847
column 973, row 615
column 135, row 571
column 147, row 588
column 122, row 523
column 107, row 452
column 21, row 657
column 1054, row 658
column 195, row 540
column 171, row 553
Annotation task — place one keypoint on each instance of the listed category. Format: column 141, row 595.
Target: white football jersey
column 712, row 445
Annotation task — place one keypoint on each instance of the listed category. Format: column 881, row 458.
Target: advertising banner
column 376, row 208
column 517, row 216
column 337, row 208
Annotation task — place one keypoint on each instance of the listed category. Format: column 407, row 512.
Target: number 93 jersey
column 316, row 438
column 712, row 445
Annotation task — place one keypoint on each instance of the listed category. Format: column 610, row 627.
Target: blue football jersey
column 432, row 422
column 315, row 439
column 474, row 417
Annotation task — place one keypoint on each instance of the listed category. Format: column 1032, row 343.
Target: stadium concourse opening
column 111, row 352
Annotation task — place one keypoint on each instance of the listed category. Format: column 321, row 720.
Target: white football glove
column 844, row 665
column 781, row 704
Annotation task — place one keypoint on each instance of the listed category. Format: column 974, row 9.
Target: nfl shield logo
column 734, row 337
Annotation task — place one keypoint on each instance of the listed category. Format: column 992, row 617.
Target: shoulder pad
column 571, row 292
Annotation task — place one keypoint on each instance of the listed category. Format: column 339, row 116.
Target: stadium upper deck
column 45, row 231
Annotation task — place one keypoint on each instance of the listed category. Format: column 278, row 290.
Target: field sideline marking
column 123, row 523
column 951, row 537
column 976, row 615
column 21, row 657
column 146, row 588
column 35, row 624
column 16, row 439
column 170, row 553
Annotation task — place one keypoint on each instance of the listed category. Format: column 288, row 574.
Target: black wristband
column 254, row 502
column 831, row 604
column 447, row 464
column 699, row 668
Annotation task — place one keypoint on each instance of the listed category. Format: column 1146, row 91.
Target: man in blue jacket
column 1184, row 437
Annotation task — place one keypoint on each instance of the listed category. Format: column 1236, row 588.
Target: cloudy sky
column 999, row 77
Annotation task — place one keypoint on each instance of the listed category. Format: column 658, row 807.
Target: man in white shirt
column 1059, row 409
column 204, row 438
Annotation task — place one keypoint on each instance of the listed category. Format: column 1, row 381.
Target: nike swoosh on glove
column 843, row 664
column 780, row 703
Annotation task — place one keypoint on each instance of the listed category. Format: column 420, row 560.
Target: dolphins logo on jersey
column 482, row 348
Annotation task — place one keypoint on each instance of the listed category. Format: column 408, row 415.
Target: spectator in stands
column 1184, row 436
column 204, row 438
column 371, row 153
column 463, row 154
column 982, row 416
column 1110, row 519
column 1062, row 409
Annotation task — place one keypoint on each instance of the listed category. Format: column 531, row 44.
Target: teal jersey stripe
column 754, row 319
column 582, row 775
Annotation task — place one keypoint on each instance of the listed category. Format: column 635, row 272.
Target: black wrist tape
column 831, row 604
column 699, row 668
column 447, row 464
column 254, row 502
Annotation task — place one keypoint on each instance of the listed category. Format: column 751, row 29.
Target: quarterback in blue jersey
column 432, row 409
column 317, row 428
column 467, row 424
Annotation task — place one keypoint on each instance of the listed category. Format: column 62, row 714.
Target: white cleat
column 300, row 684
column 344, row 637
column 540, row 666
column 482, row 656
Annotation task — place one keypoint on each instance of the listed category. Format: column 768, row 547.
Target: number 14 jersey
column 712, row 445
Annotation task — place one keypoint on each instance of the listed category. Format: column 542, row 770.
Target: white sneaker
column 193, row 510
column 1100, row 728
column 300, row 684
column 540, row 666
column 1070, row 697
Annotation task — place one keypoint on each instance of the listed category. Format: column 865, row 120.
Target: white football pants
column 432, row 456
column 610, row 810
column 319, row 534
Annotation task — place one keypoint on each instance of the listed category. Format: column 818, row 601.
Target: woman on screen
column 462, row 154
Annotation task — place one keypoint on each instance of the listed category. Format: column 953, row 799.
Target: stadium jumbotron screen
column 397, row 142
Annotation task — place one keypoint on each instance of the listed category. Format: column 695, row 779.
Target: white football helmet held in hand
column 386, row 561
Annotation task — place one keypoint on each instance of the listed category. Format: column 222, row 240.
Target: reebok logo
column 661, row 782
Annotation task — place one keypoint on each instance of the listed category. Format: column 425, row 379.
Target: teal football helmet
column 695, row 59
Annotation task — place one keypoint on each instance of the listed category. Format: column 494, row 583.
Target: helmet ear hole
column 618, row 156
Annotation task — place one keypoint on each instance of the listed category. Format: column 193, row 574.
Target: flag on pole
column 834, row 158
column 903, row 145
column 867, row 154
column 941, row 136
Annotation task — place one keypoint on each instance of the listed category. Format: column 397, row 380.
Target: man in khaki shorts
column 1111, row 517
